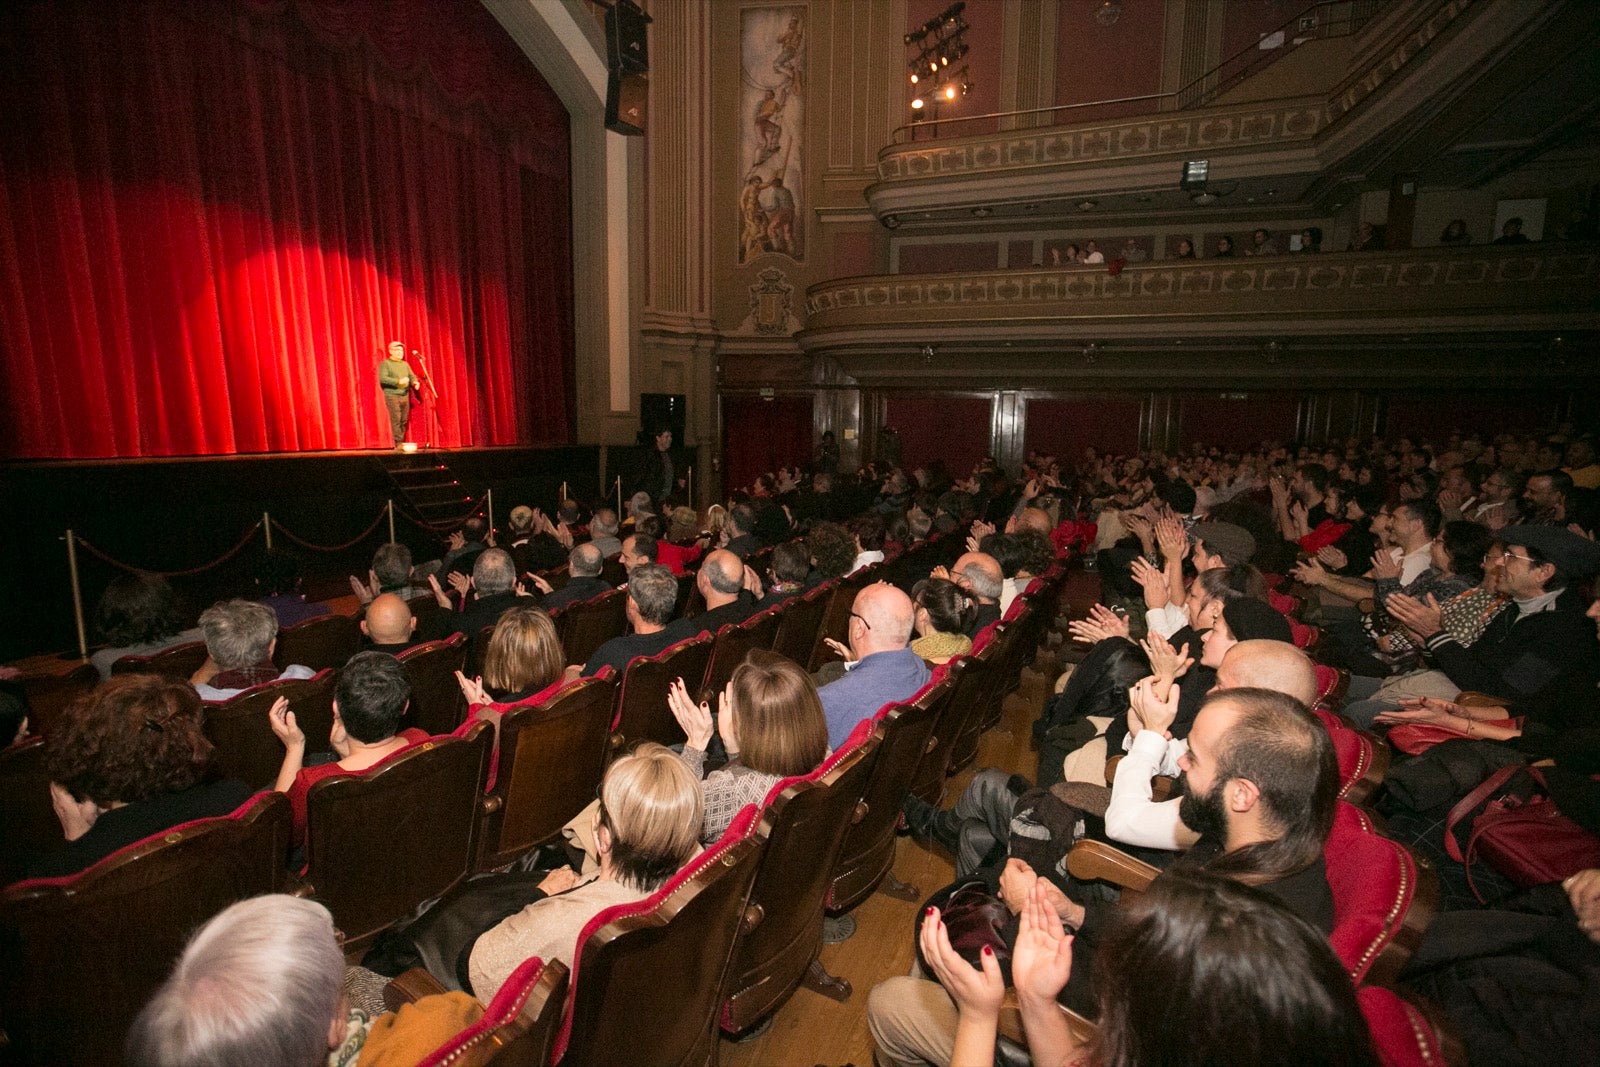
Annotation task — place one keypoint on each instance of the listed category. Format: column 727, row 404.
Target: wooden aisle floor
column 812, row 1029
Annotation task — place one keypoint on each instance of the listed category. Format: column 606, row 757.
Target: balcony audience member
column 389, row 625
column 1134, row 252
column 1261, row 783
column 1368, row 238
column 1091, row 253
column 1185, row 249
column 771, row 723
column 944, row 613
column 584, row 564
column 126, row 761
column 240, row 636
column 1262, row 243
column 1290, row 999
column 137, row 616
column 1455, row 233
column 261, row 983
column 1311, row 240
column 603, row 532
column 523, row 659
column 1511, row 233
column 390, row 572
column 647, row 826
column 882, row 668
column 652, row 596
column 1224, row 247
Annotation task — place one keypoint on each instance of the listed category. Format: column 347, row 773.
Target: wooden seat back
column 967, row 674
column 642, row 710
column 80, row 956
column 733, row 643
column 49, row 695
column 802, row 618
column 904, row 733
column 241, row 731
column 804, row 824
column 648, row 977
column 437, row 706
column 588, row 624
column 179, row 661
column 327, row 641
column 32, row 829
column 835, row 622
column 517, row 1029
column 381, row 843
column 552, row 756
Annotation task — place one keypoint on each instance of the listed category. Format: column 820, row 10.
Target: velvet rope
column 357, row 539
column 130, row 568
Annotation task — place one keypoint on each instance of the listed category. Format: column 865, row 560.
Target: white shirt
column 1414, row 563
column 1166, row 620
column 1133, row 817
column 864, row 560
column 1095, row 257
column 213, row 694
column 1008, row 592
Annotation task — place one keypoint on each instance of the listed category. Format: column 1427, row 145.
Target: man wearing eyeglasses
column 882, row 668
column 1540, row 653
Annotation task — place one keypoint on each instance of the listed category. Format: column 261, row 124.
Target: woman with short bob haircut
column 771, row 722
column 126, row 761
column 1199, row 969
column 646, row 828
column 524, row 657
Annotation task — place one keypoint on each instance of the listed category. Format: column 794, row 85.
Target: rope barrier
column 219, row 561
column 449, row 526
column 362, row 536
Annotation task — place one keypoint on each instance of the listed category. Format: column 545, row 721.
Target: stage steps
column 427, row 487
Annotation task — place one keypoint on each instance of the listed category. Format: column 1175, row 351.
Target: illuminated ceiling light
column 949, row 92
column 916, row 105
column 944, row 61
column 913, row 79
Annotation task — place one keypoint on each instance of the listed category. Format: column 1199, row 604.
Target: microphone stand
column 433, row 408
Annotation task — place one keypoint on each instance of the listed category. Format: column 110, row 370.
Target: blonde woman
column 771, row 722
column 523, row 659
column 646, row 827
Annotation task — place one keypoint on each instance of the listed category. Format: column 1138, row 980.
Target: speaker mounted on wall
column 628, row 55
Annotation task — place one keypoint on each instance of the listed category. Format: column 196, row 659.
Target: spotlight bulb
column 950, row 92
column 916, row 105
column 913, row 79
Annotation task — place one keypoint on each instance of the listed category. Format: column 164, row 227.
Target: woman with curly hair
column 833, row 552
column 127, row 761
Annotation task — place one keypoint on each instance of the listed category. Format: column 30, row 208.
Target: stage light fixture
column 916, row 104
column 913, row 79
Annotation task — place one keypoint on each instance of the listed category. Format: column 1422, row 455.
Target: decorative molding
column 771, row 306
column 1168, row 133
column 1470, row 283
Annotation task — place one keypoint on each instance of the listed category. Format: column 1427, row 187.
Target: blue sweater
column 881, row 678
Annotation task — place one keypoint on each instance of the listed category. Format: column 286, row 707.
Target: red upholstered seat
column 904, row 732
column 178, row 661
column 437, row 706
column 804, row 823
column 1284, row 604
column 1382, row 899
column 1332, row 685
column 643, row 713
column 649, row 975
column 518, row 1028
column 1363, row 762
column 1403, row 1035
column 1304, row 636
column 552, row 755
column 80, row 955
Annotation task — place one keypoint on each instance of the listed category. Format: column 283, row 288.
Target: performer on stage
column 397, row 379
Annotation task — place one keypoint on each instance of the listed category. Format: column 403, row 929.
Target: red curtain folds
column 762, row 434
column 214, row 216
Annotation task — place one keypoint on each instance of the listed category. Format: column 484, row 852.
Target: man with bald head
column 721, row 582
column 981, row 575
column 1035, row 519
column 883, row 668
column 389, row 625
column 1133, row 817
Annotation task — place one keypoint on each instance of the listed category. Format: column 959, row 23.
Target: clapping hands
column 1101, row 624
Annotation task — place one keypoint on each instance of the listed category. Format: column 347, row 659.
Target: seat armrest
column 1097, row 861
column 1473, row 699
column 409, row 988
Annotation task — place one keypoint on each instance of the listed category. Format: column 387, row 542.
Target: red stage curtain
column 762, row 434
column 214, row 216
column 951, row 428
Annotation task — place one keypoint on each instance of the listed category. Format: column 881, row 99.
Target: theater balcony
column 1430, row 88
column 1471, row 315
